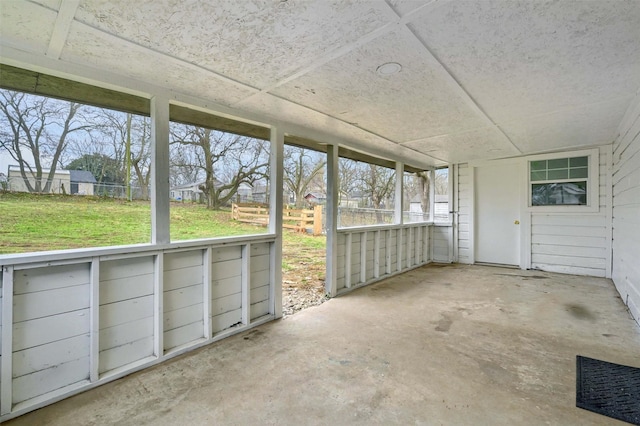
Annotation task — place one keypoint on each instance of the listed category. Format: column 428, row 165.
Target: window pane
column 580, row 172
column 558, row 163
column 558, row 174
column 551, row 194
column 416, row 197
column 210, row 171
column 366, row 195
column 539, row 165
column 579, row 161
column 70, row 188
column 539, row 175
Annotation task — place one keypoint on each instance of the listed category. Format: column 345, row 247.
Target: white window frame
column 593, row 182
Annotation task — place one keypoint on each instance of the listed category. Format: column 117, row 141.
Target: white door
column 497, row 214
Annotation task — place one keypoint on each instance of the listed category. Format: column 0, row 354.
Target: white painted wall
column 575, row 243
column 626, row 209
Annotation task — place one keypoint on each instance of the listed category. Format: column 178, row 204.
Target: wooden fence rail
column 297, row 219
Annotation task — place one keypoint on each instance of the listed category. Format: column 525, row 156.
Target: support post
column 331, row 282
column 432, row 195
column 160, row 170
column 276, row 171
column 398, row 219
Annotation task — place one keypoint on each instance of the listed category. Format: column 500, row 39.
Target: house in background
column 187, row 192
column 315, row 198
column 60, row 182
column 82, row 182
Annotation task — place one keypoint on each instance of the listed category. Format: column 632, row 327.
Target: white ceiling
column 479, row 79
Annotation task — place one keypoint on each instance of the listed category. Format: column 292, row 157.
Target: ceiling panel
column 534, row 57
column 588, row 125
column 26, row 26
column 281, row 109
column 254, row 42
column 477, row 144
column 87, row 45
column 414, row 103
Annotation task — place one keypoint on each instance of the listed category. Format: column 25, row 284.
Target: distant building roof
column 15, row 168
column 82, row 176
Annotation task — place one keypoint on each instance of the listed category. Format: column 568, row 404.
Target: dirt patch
column 303, row 275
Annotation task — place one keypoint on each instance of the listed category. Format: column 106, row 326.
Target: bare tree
column 38, row 127
column 442, row 181
column 300, row 170
column 348, row 178
column 378, row 183
column 224, row 160
column 141, row 152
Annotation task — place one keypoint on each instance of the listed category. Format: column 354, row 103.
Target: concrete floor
column 445, row 345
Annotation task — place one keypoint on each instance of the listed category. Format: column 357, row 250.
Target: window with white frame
column 567, row 180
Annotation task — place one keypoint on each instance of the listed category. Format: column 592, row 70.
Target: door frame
column 525, row 214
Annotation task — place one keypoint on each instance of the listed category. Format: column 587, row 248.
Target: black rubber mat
column 609, row 389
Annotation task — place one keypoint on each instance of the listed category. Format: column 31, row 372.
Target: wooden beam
column 194, row 117
column 12, row 78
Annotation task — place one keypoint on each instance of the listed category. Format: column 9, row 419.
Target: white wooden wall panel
column 50, row 330
column 356, row 258
column 626, row 210
column 340, row 259
column 441, row 243
column 369, row 257
column 393, row 253
column 380, row 256
column 574, row 243
column 226, row 288
column 120, row 305
column 464, row 203
column 183, row 303
column 260, row 290
column 83, row 318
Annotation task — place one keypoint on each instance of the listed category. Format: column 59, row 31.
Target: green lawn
column 31, row 222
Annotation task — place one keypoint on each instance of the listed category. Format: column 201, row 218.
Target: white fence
column 75, row 319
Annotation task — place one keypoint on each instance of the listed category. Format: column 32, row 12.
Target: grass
column 31, row 222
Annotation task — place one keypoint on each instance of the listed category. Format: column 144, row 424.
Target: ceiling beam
column 61, row 27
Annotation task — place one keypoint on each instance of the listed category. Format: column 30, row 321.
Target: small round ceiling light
column 389, row 68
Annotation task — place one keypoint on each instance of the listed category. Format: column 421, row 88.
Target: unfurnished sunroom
column 534, row 107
